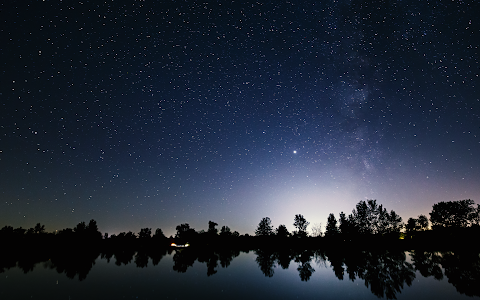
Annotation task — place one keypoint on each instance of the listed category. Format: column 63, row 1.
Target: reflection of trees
column 74, row 264
column 157, row 254
column 141, row 259
column 265, row 260
column 186, row 257
column 385, row 272
column 427, row 263
column 462, row 268
column 182, row 259
column 27, row 263
column 284, row 256
column 305, row 269
column 336, row 259
column 124, row 256
column 210, row 259
column 226, row 256
column 7, row 262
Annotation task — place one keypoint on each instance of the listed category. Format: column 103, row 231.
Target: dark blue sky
column 151, row 114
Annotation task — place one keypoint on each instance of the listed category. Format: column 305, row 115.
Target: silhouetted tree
column 67, row 232
column 80, row 228
column 412, row 225
column 19, row 232
column 6, row 231
column 92, row 230
column 371, row 218
column 422, row 222
column 264, row 228
column 129, row 236
column 211, row 228
column 159, row 234
column 394, row 223
column 184, row 231
column 331, row 229
column 476, row 216
column 282, row 231
column 225, row 231
column 416, row 224
column 39, row 228
column 92, row 226
column 301, row 224
column 457, row 214
column 316, row 230
column 145, row 233
column 345, row 227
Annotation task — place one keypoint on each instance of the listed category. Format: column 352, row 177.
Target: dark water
column 230, row 274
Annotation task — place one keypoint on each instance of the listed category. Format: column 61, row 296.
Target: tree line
column 368, row 218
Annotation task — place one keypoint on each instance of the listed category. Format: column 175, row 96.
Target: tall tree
column 395, row 222
column 344, row 224
column 422, row 222
column 225, row 231
column 145, row 233
column 412, row 225
column 316, row 230
column 282, row 231
column 476, row 216
column 92, row 230
column 331, row 228
column 459, row 213
column 264, row 228
column 92, row 226
column 39, row 228
column 211, row 228
column 362, row 218
column 184, row 231
column 371, row 218
column 80, row 228
column 159, row 234
column 301, row 224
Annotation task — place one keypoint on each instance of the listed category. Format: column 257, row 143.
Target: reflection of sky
column 242, row 279
column 155, row 115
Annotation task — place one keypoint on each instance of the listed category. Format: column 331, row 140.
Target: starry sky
column 156, row 113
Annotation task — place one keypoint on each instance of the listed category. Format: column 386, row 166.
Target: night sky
column 156, row 113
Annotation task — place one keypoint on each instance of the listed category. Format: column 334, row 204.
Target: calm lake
column 188, row 274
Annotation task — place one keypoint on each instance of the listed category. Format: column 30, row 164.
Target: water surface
column 247, row 275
